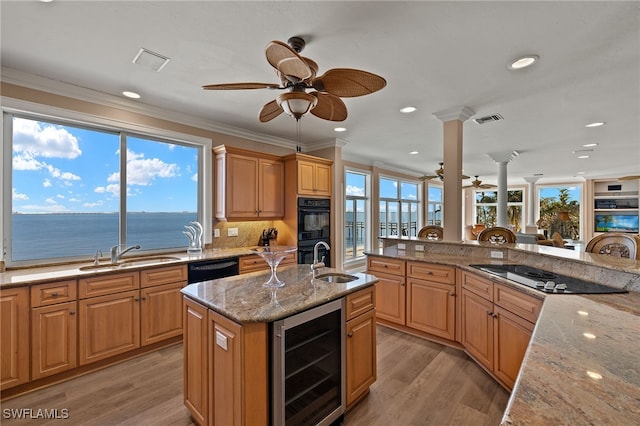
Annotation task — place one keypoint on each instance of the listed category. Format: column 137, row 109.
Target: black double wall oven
column 314, row 224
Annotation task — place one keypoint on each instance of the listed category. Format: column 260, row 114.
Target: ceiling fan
column 439, row 173
column 476, row 183
column 297, row 74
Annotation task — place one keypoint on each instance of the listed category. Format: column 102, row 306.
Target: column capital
column 503, row 157
column 457, row 113
column 531, row 179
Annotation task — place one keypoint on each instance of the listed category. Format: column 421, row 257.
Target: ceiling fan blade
column 428, row 177
column 241, row 86
column 464, row 177
column 287, row 61
column 270, row 111
column 329, row 107
column 487, row 186
column 348, row 83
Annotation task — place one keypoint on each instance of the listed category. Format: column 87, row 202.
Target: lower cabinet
column 54, row 337
column 361, row 369
column 196, row 362
column 390, row 288
column 160, row 313
column 14, row 342
column 497, row 323
column 108, row 325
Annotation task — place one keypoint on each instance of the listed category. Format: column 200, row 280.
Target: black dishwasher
column 212, row 269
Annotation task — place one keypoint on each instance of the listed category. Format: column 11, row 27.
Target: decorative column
column 452, row 185
column 502, row 159
column 531, row 227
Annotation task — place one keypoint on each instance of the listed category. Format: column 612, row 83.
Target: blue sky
column 64, row 169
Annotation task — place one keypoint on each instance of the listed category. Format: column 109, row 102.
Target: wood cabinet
column 311, row 174
column 361, row 371
column 390, row 288
column 431, row 299
column 54, row 328
column 497, row 323
column 254, row 262
column 249, row 185
column 196, row 363
column 14, row 341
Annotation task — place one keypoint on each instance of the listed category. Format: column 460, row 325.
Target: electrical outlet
column 232, row 232
column 216, row 233
column 495, row 254
column 402, row 246
column 419, row 247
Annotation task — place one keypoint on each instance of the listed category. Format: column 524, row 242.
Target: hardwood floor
column 419, row 383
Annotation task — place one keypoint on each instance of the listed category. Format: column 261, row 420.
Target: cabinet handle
column 401, row 284
column 137, row 299
column 490, row 313
column 429, row 273
column 72, row 312
column 451, row 293
column 350, row 334
column 54, row 294
column 144, row 299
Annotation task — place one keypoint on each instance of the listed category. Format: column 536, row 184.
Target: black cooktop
column 547, row 282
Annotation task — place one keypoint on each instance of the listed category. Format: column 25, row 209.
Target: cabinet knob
column 451, row 293
column 350, row 334
column 54, row 294
column 72, row 312
column 490, row 313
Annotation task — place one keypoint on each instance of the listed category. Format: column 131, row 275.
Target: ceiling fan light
column 296, row 104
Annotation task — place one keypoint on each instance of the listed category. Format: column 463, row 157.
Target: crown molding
column 37, row 82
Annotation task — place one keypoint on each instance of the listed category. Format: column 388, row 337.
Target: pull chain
column 298, row 148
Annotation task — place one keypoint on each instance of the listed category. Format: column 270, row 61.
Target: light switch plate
column 232, row 232
column 216, row 233
column 401, row 246
column 419, row 247
column 495, row 254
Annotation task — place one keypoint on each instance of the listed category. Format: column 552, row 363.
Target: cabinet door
column 306, row 178
column 242, row 186
column 390, row 298
column 195, row 384
column 477, row 327
column 160, row 313
column 511, row 339
column 108, row 325
column 271, row 189
column 431, row 307
column 361, row 355
column 323, row 179
column 225, row 375
column 53, row 339
column 14, row 342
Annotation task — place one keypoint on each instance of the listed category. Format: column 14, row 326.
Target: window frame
column 399, row 203
column 522, row 204
column 367, row 214
column 18, row 108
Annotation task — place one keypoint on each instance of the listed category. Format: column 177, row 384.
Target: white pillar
column 502, row 159
column 531, row 227
column 452, row 186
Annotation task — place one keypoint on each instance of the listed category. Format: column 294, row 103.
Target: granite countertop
column 243, row 298
column 42, row 274
column 581, row 366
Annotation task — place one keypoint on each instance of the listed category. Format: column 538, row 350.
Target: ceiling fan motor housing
column 296, row 43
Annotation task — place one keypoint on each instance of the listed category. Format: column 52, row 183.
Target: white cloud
column 354, row 190
column 194, row 177
column 44, row 140
column 113, row 189
column 60, row 196
column 141, row 171
column 96, row 204
column 50, row 208
column 26, row 161
column 74, row 200
column 56, row 173
column 50, row 201
column 46, row 183
column 15, row 195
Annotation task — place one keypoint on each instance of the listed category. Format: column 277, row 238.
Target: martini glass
column 273, row 255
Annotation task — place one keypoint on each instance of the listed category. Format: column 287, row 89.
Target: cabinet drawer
column 386, row 265
column 431, row 272
column 521, row 304
column 254, row 262
column 360, row 302
column 107, row 284
column 52, row 293
column 480, row 286
column 166, row 275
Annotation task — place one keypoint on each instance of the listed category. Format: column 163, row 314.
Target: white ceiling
column 434, row 55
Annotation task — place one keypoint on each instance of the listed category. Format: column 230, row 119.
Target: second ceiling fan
column 477, row 183
column 439, row 173
column 297, row 75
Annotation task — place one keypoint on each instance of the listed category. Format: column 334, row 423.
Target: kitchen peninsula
column 227, row 325
column 580, row 364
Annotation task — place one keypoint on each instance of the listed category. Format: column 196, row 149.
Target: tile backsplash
column 249, row 234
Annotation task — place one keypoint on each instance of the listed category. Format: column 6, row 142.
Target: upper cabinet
column 249, row 185
column 312, row 174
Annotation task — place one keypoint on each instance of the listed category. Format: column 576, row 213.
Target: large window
column 399, row 207
column 434, row 205
column 77, row 189
column 560, row 210
column 486, row 203
column 356, row 218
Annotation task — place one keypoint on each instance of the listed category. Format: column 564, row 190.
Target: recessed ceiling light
column 595, row 124
column 523, row 62
column 580, row 173
column 407, row 109
column 589, row 145
column 340, row 129
column 414, row 153
column 578, row 151
column 594, row 375
column 132, row 95
column 583, row 156
column 589, row 335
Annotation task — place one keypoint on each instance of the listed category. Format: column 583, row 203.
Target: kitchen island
column 581, row 364
column 227, row 334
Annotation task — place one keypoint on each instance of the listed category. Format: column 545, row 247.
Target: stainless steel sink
column 336, row 277
column 130, row 263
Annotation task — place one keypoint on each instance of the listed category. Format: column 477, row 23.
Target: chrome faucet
column 115, row 254
column 317, row 265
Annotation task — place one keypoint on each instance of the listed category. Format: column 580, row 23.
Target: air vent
column 150, row 59
column 488, row 118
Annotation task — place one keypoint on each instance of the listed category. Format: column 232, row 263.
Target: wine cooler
column 308, row 367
